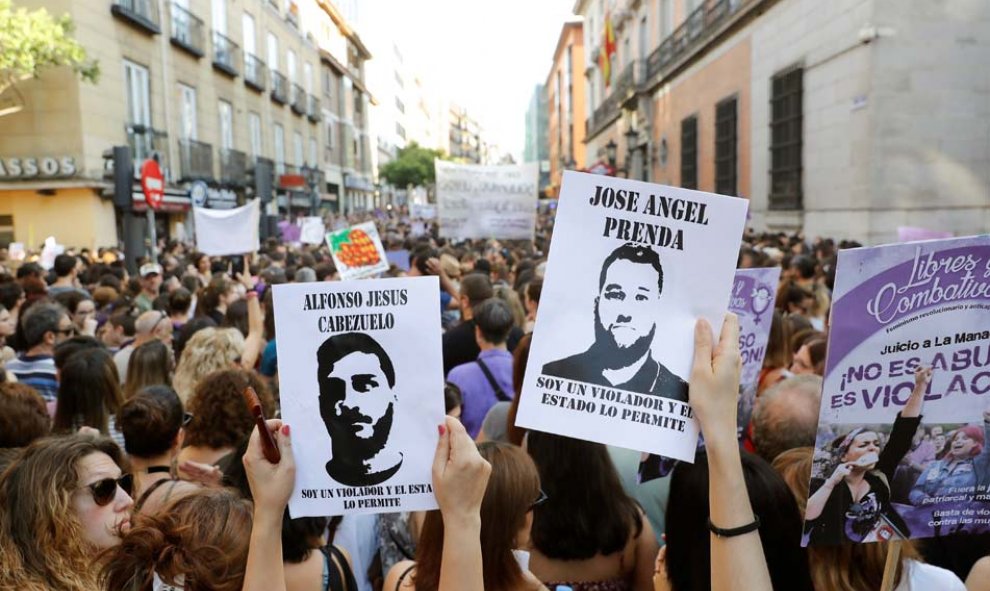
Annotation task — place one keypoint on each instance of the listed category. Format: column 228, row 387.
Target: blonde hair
column 846, row 566
column 509, row 296
column 209, row 350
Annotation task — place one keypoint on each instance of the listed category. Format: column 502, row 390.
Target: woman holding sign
column 853, row 503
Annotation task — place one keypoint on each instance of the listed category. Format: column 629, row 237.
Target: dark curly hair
column 220, row 416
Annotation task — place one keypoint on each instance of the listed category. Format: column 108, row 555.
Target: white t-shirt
column 922, row 577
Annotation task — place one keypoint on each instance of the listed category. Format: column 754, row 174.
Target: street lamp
column 610, row 152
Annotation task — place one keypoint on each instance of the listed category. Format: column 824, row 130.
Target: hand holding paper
column 460, row 474
column 271, row 484
column 714, row 386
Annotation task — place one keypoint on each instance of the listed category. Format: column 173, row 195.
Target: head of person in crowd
column 453, row 400
column 511, row 298
column 451, row 266
column 66, row 269
column 841, row 566
column 220, row 419
column 304, row 275
column 200, row 542
column 418, row 259
column 325, row 271
column 357, row 398
column 601, row 520
column 201, row 263
column 531, row 299
column 189, row 329
column 506, row 519
column 207, row 351
column 69, row 347
column 23, row 415
column 81, row 309
column 88, row 392
column 151, row 364
column 31, row 271
column 119, row 327
column 795, row 299
column 475, row 288
column 237, row 317
column 493, row 320
column 153, row 325
column 215, row 297
column 786, row 415
column 689, row 539
column 151, row 279
column 802, row 269
column 64, row 499
column 179, row 303
column 810, row 358
column 103, row 296
column 151, row 422
column 113, row 278
column 8, row 324
column 45, row 325
column 11, row 297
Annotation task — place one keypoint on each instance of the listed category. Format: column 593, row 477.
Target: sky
column 486, row 55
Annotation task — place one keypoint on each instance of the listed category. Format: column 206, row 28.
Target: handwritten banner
column 476, row 201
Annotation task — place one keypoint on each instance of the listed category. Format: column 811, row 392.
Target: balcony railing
column 313, row 109
column 280, row 88
column 233, row 167
column 196, row 160
column 140, row 13
column 146, row 142
column 226, row 54
column 699, row 27
column 298, row 100
column 604, row 114
column 187, row 30
column 254, row 72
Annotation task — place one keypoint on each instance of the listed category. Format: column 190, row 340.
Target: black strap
column 402, row 577
column 499, row 392
column 341, row 576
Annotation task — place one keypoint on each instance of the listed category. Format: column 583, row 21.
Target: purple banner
column 752, row 299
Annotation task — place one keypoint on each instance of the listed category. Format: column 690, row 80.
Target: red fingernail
column 285, row 430
column 441, row 429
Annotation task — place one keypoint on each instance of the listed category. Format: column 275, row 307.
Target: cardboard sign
column 361, row 378
column 357, row 251
column 894, row 308
column 475, row 201
column 631, row 267
column 753, row 294
column 312, row 230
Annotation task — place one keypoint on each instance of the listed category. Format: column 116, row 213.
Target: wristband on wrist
column 735, row 531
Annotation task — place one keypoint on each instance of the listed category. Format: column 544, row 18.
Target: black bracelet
column 735, row 531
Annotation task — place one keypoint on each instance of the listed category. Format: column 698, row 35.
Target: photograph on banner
column 611, row 358
column 357, row 251
column 903, row 444
column 222, row 232
column 312, row 230
column 361, row 382
column 754, row 292
column 481, row 202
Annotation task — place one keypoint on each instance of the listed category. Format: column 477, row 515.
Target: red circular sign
column 152, row 183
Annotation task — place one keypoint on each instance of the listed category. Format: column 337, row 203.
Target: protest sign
column 753, row 294
column 312, row 230
column 475, row 201
column 399, row 258
column 361, row 382
column 896, row 308
column 221, row 232
column 357, row 251
column 629, row 262
column 16, row 251
column 425, row 211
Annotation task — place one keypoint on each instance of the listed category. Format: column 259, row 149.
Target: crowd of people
column 129, row 461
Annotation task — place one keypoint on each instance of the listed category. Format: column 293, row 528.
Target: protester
column 44, row 325
column 81, row 309
column 151, row 364
column 152, row 423
column 118, row 330
column 66, row 269
column 596, row 540
column 531, row 301
column 207, row 351
column 810, row 358
column 488, row 379
column 310, row 561
column 62, row 501
column 453, row 400
column 23, row 416
column 215, row 297
column 786, row 416
column 151, row 283
column 179, row 304
column 89, row 394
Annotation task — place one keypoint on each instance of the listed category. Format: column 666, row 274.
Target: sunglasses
column 105, row 491
column 187, row 418
column 542, row 498
column 67, row 331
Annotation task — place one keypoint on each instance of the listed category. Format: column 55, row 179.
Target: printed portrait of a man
column 357, row 403
column 626, row 317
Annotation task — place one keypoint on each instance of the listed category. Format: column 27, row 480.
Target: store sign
column 203, row 195
column 44, row 167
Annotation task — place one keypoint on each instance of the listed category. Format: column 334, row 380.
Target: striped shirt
column 37, row 371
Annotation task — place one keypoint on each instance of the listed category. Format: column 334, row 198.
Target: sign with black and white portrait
column 361, row 384
column 632, row 266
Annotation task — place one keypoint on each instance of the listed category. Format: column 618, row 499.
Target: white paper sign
column 476, row 201
column 361, row 382
column 313, row 231
column 357, row 251
column 632, row 266
column 221, row 232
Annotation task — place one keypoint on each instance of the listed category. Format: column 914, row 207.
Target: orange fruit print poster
column 357, row 251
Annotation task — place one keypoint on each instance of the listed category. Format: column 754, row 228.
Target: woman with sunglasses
column 590, row 534
column 506, row 518
column 62, row 501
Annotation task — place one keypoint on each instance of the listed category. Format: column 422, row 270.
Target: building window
column 297, row 147
column 187, row 114
column 399, row 105
column 272, row 52
column 689, row 152
column 279, row 149
column 329, row 131
column 226, row 125
column 786, row 140
column 254, row 130
column 400, row 131
column 328, row 81
column 313, row 152
column 6, row 230
column 725, row 147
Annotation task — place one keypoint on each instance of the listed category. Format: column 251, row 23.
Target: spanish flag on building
column 607, row 51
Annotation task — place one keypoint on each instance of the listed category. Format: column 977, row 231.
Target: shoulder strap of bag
column 499, row 392
column 344, row 574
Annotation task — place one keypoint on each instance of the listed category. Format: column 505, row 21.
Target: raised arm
column 922, row 377
column 714, row 390
column 254, row 344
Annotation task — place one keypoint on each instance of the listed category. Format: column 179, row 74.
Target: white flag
column 221, row 232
